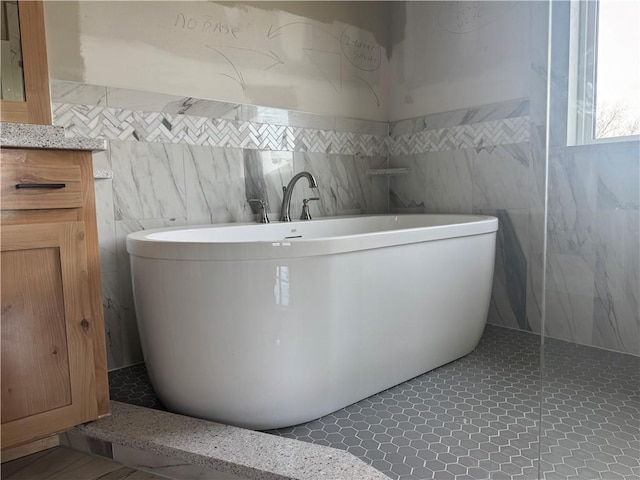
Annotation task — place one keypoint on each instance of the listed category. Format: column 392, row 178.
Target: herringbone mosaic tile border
column 474, row 135
column 129, row 125
column 90, row 121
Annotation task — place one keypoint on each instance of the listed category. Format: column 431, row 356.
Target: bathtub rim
column 139, row 244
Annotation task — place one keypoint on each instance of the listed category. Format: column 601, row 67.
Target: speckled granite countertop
column 224, row 448
column 24, row 135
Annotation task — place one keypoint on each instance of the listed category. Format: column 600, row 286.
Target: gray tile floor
column 590, row 414
column 479, row 417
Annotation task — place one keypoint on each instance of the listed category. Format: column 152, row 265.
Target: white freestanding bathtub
column 244, row 325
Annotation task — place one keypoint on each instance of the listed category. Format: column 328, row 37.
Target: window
column 604, row 71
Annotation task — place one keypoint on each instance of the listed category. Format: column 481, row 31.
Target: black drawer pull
column 41, row 185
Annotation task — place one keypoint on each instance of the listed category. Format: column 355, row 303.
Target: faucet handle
column 263, row 218
column 306, row 215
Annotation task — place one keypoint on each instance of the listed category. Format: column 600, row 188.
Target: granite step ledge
column 184, row 447
column 26, row 135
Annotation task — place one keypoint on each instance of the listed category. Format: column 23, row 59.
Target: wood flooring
column 62, row 463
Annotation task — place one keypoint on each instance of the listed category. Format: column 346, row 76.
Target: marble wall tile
column 509, row 295
column 572, row 205
column 367, row 127
column 120, row 98
column 276, row 169
column 293, row 118
column 308, row 120
column 156, row 102
column 617, row 286
column 501, row 177
column 375, row 187
column 204, row 108
column 486, row 113
column 570, row 289
column 558, row 80
column 159, row 102
column 340, row 189
column 535, row 290
column 260, row 114
column 77, row 93
column 618, row 176
column 104, row 213
column 539, row 45
column 215, row 185
column 254, row 182
column 148, row 180
column 409, row 125
column 123, row 342
column 438, row 182
column 277, row 116
column 537, row 144
column 537, row 185
column 592, row 284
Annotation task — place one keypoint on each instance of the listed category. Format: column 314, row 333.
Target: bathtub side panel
column 271, row 343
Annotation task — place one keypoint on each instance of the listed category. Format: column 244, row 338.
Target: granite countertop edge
column 24, row 135
column 227, row 449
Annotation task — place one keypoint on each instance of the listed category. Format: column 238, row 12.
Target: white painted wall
column 452, row 55
column 316, row 56
column 228, row 52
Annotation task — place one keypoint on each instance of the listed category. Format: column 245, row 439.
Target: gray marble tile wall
column 593, row 257
column 593, row 261
column 161, row 177
column 539, row 49
column 489, row 174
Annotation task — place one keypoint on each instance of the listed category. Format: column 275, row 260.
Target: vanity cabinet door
column 48, row 376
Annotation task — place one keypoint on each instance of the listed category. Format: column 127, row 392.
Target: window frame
column 582, row 76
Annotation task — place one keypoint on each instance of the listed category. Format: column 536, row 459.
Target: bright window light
column 604, row 71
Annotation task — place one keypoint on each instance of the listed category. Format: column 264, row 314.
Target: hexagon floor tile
column 479, row 417
column 591, row 413
column 132, row 385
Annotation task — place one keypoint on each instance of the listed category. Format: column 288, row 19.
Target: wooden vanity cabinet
column 54, row 372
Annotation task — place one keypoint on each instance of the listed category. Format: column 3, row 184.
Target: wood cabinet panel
column 21, row 217
column 44, row 176
column 35, row 364
column 69, row 240
column 31, row 231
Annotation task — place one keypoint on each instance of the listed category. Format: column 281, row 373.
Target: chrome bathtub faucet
column 262, row 214
column 306, row 214
column 285, row 210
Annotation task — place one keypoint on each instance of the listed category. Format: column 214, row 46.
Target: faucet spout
column 285, row 210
